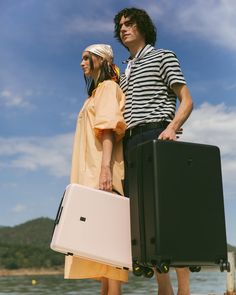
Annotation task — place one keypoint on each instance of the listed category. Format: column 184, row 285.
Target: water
column 201, row 283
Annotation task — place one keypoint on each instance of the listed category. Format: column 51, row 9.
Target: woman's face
column 91, row 70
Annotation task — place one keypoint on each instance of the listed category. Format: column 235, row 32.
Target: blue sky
column 42, row 89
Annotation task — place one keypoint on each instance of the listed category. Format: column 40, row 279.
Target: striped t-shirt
column 149, row 97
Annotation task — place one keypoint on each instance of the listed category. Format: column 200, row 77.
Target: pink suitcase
column 95, row 225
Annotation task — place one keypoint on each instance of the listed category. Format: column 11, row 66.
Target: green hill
column 27, row 245
column 34, row 232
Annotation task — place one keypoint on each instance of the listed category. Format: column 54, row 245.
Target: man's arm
column 182, row 114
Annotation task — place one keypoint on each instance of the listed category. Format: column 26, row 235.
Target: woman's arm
column 105, row 179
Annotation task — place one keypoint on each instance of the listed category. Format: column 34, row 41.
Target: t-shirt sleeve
column 109, row 106
column 170, row 69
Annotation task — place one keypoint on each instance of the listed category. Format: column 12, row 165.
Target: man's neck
column 135, row 49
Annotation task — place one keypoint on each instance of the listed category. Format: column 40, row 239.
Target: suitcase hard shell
column 177, row 208
column 95, row 225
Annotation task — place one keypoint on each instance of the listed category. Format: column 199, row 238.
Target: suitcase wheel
column 148, row 272
column 195, row 268
column 224, row 265
column 162, row 267
column 137, row 269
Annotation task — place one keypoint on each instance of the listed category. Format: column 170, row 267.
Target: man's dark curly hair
column 141, row 19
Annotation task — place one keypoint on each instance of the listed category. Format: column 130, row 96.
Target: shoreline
column 31, row 271
column 60, row 271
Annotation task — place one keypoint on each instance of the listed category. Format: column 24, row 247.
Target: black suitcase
column 177, row 207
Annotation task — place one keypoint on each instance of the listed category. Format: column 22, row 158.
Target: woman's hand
column 105, row 179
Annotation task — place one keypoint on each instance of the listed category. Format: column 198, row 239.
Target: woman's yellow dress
column 103, row 110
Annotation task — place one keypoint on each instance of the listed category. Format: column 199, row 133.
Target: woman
column 97, row 159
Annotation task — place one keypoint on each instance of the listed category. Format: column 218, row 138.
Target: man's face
column 129, row 33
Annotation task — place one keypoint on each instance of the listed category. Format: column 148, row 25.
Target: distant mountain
column 27, row 245
column 35, row 232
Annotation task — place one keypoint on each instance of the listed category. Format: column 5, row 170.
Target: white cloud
column 32, row 154
column 231, row 86
column 209, row 124
column 83, row 25
column 19, row 208
column 219, row 25
column 216, row 125
column 12, row 100
column 213, row 21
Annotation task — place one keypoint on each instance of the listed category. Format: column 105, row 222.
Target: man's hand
column 168, row 134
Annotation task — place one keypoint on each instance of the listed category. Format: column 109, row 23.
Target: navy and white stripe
column 149, row 97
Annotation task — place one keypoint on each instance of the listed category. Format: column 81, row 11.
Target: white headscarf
column 103, row 50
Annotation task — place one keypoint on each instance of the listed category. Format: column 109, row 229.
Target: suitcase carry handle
column 59, row 211
column 58, row 216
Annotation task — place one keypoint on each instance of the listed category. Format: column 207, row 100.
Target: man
column 152, row 81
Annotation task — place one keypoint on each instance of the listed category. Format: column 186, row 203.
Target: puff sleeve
column 109, row 103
